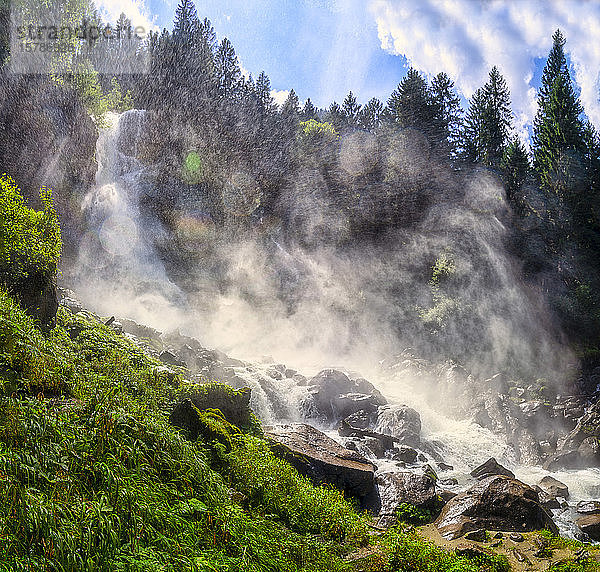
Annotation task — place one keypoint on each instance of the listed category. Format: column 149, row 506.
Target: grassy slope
column 93, row 477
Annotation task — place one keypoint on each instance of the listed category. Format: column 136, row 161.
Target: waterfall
column 117, row 255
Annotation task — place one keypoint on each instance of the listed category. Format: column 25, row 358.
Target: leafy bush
column 30, row 241
column 412, row 515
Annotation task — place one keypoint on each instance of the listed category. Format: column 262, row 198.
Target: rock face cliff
column 48, row 139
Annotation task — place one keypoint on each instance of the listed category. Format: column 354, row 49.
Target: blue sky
column 320, row 49
column 325, row 48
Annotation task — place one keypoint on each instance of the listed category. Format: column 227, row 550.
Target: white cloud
column 280, row 95
column 135, row 10
column 465, row 38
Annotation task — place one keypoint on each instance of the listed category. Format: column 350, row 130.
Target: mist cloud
column 465, row 38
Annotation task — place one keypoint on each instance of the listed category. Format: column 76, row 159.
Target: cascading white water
column 116, row 256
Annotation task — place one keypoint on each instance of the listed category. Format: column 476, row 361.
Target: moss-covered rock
column 234, row 405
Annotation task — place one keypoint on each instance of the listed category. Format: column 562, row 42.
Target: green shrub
column 412, row 515
column 30, row 241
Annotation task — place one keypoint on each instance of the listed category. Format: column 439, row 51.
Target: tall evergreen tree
column 228, row 70
column 291, row 106
column 336, row 116
column 186, row 21
column 309, row 111
column 516, row 170
column 558, row 140
column 263, row 92
column 411, row 103
column 488, row 122
column 351, row 109
column 449, row 112
column 371, row 114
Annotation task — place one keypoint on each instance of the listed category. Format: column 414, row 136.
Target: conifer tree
column 263, row 92
column 411, row 103
column 228, row 70
column 516, row 169
column 309, row 111
column 449, row 112
column 488, row 122
column 371, row 114
column 558, row 140
column 351, row 109
column 291, row 106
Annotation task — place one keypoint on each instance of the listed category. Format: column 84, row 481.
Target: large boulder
column 322, row 459
column 334, row 395
column 580, row 449
column 400, row 422
column 553, row 487
column 411, row 488
column 590, row 525
column 497, row 503
column 489, row 468
column 234, row 404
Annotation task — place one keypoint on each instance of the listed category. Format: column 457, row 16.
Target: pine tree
column 309, row 111
column 336, row 116
column 351, row 109
column 186, row 21
column 449, row 112
column 411, row 104
column 558, row 140
column 263, row 92
column 487, row 125
column 516, row 170
column 291, row 106
column 228, row 70
column 371, row 114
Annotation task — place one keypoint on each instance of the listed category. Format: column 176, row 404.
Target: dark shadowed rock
column 590, row 525
column 322, row 459
column 580, row 448
column 169, row 358
column 401, row 422
column 553, row 487
column 233, row 404
column 404, row 453
column 334, row 395
column 497, row 503
column 588, row 507
column 410, row 488
column 478, row 535
column 489, row 468
column 38, row 296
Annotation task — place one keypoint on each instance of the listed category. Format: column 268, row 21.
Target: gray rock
column 588, row 507
column 322, row 459
column 497, row 503
column 553, row 487
column 401, row 422
column 489, row 468
column 590, row 525
column 410, row 488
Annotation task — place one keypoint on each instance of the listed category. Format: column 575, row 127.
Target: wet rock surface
column 498, row 503
column 590, row 525
column 322, row 459
column 489, row 468
column 415, row 489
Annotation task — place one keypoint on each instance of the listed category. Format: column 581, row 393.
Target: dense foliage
column 30, row 241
